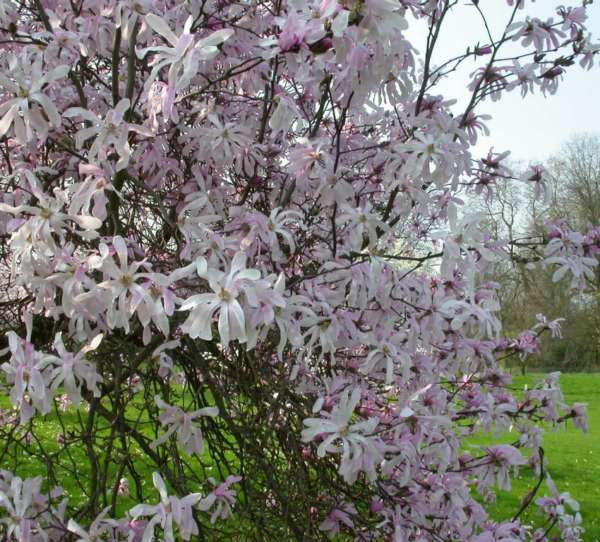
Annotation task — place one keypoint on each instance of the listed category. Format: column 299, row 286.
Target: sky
column 534, row 128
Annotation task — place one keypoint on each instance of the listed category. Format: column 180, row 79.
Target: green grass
column 71, row 464
column 573, row 458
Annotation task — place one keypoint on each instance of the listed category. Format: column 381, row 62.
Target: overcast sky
column 533, row 128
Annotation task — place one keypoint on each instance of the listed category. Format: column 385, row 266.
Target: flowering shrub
column 233, row 258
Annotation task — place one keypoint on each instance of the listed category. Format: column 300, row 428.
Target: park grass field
column 573, row 458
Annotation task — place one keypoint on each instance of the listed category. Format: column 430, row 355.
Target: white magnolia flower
column 98, row 528
column 354, row 437
column 226, row 139
column 189, row 435
column 28, row 375
column 26, row 81
column 73, row 369
column 184, row 56
column 464, row 237
column 120, row 294
column 226, row 291
column 361, row 222
column 47, row 220
column 169, row 510
column 112, row 130
column 16, row 501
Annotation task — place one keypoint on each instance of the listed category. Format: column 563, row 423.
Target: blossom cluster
column 232, row 231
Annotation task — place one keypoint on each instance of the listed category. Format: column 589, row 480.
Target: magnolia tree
column 239, row 298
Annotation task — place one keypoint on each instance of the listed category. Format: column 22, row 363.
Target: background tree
column 576, row 170
column 514, row 213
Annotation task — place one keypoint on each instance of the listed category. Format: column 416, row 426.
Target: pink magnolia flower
column 336, row 517
column 128, row 12
column 355, row 437
column 554, row 506
column 113, row 131
column 283, row 311
column 226, row 139
column 72, row 370
column 573, row 18
column 26, row 80
column 161, row 360
column 465, row 237
column 570, row 527
column 497, row 462
column 525, row 77
column 189, row 435
column 537, row 33
column 297, row 156
column 122, row 293
column 222, row 496
column 490, row 81
column 284, row 115
column 161, row 98
column 17, row 501
column 28, row 373
column 47, row 220
column 62, row 46
column 170, row 510
column 362, row 222
column 428, row 155
column 157, row 306
column 226, row 290
column 579, row 414
column 92, row 191
column 70, row 274
column 99, row 528
column 541, row 179
column 182, row 59
column 554, row 326
column 277, row 224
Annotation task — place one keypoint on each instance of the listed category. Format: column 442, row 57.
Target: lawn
column 28, row 451
column 573, row 457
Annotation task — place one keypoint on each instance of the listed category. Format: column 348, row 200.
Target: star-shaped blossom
column 226, row 139
column 170, row 510
column 113, row 131
column 184, row 55
column 127, row 13
column 27, row 81
column 17, row 502
column 464, row 237
column 223, row 497
column 27, row 373
column 496, row 464
column 121, row 294
column 336, row 426
column 339, row 515
column 47, row 220
column 189, row 435
column 226, row 291
column 73, row 369
column 100, row 527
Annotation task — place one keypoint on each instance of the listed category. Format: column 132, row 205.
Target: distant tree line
column 528, row 290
